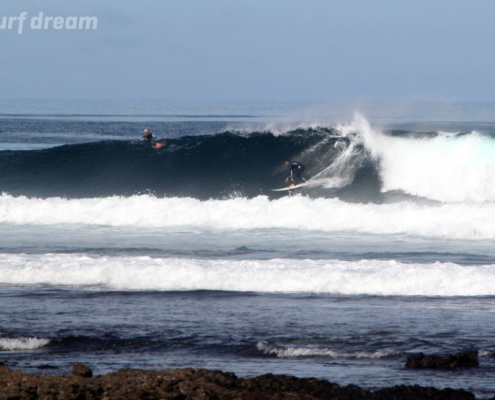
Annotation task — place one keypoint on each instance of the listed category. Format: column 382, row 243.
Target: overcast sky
column 308, row 50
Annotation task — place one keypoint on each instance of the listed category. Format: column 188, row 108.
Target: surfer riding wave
column 296, row 170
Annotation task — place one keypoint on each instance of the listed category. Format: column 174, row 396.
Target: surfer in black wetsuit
column 147, row 135
column 296, row 169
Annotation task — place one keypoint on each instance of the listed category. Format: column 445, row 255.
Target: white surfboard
column 289, row 188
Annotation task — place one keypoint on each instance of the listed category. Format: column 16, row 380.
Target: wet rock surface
column 465, row 359
column 196, row 384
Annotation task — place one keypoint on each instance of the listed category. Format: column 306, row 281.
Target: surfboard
column 160, row 144
column 289, row 188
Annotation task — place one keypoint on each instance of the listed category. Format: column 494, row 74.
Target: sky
column 281, row 50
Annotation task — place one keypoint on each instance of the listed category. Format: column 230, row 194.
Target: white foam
column 342, row 170
column 22, row 343
column 448, row 167
column 447, row 221
column 372, row 277
column 276, row 128
column 291, row 352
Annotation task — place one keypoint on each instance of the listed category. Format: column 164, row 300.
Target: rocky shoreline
column 197, row 384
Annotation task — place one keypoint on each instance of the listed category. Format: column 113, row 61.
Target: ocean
column 117, row 254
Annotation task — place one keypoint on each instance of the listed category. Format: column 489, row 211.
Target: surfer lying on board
column 296, row 169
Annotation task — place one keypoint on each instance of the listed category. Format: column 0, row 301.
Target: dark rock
column 416, row 392
column 461, row 360
column 46, row 366
column 199, row 384
column 82, row 370
column 4, row 369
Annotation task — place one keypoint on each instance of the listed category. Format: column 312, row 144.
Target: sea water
column 119, row 255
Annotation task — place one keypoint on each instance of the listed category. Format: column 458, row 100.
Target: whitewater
column 371, row 277
column 447, row 221
column 450, row 167
column 117, row 254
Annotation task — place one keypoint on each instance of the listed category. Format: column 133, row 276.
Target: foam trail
column 342, row 170
column 448, row 167
column 372, row 277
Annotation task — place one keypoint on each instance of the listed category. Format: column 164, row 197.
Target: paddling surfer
column 147, row 135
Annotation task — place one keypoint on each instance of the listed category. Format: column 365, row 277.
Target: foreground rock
column 465, row 359
column 197, row 384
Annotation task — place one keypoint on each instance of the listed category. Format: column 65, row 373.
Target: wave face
column 210, row 166
column 355, row 163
